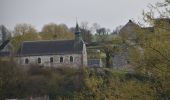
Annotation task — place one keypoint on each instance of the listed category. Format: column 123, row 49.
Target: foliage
column 11, row 80
column 21, row 29
column 77, row 84
column 112, row 85
column 4, row 34
column 49, row 32
column 109, row 50
column 153, row 57
column 53, row 31
column 18, row 40
column 102, row 34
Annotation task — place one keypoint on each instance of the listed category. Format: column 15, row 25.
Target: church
column 54, row 53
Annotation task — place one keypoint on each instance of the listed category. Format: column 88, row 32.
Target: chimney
column 130, row 21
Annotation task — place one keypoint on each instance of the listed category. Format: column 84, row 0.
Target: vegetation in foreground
column 79, row 84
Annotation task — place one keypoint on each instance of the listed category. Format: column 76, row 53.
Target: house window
column 39, row 60
column 51, row 60
column 71, row 58
column 26, row 61
column 61, row 59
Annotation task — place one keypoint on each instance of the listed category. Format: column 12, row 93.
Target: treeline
column 26, row 32
column 52, row 31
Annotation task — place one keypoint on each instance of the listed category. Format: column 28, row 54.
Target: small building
column 95, row 63
column 6, row 51
column 54, row 53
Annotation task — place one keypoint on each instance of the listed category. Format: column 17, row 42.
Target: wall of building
column 45, row 60
column 129, row 31
column 84, row 55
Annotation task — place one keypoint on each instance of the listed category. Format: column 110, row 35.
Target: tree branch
column 160, row 53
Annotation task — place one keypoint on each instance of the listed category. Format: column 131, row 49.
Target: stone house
column 130, row 30
column 121, row 59
column 54, row 53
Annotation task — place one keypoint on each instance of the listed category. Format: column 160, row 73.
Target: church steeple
column 78, row 37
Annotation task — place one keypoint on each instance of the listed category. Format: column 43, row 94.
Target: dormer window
column 26, row 61
column 71, row 58
column 61, row 60
column 39, row 60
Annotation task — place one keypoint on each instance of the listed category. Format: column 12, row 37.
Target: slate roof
column 148, row 29
column 5, row 54
column 5, row 43
column 36, row 48
column 163, row 19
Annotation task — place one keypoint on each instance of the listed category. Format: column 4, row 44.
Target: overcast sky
column 108, row 13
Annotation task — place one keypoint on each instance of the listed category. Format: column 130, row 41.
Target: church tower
column 79, row 45
column 78, row 37
column 78, row 41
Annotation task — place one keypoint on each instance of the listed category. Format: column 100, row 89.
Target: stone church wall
column 45, row 60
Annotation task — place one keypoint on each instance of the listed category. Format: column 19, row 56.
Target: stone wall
column 84, row 54
column 45, row 60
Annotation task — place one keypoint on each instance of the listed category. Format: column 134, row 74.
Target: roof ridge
column 46, row 40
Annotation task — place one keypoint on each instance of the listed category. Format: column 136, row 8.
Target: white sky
column 108, row 13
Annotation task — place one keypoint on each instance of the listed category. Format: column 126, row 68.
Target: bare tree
column 117, row 30
column 86, row 32
column 84, row 25
column 102, row 34
column 21, row 29
column 95, row 27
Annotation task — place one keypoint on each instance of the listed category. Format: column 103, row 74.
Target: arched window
column 26, row 61
column 61, row 59
column 51, row 60
column 71, row 58
column 39, row 60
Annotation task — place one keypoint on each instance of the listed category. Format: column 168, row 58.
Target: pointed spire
column 78, row 37
column 77, row 27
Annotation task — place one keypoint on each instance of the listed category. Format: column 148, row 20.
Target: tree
column 95, row 27
column 86, row 33
column 4, row 33
column 110, row 49
column 102, row 34
column 54, row 31
column 11, row 80
column 21, row 29
column 84, row 25
column 153, row 59
column 117, row 30
column 50, row 28
column 19, row 39
column 158, row 42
